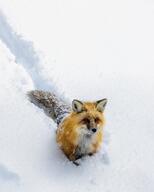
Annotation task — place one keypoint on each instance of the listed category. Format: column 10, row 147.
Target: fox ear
column 101, row 104
column 77, row 106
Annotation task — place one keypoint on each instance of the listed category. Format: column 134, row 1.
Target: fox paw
column 76, row 163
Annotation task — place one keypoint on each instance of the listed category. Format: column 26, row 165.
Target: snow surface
column 89, row 50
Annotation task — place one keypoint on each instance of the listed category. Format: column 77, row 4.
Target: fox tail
column 53, row 106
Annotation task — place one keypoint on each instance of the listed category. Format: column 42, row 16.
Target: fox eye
column 86, row 121
column 97, row 120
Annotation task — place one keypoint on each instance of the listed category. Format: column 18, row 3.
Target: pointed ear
column 101, row 104
column 77, row 106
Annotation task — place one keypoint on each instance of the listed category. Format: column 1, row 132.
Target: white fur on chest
column 85, row 143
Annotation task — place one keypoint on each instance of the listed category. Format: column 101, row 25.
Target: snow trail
column 25, row 55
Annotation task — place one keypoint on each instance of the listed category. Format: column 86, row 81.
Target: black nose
column 94, row 130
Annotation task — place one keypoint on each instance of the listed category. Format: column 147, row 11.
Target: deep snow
column 30, row 160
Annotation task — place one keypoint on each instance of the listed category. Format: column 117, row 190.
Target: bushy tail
column 50, row 103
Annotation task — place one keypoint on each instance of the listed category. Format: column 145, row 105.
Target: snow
column 86, row 50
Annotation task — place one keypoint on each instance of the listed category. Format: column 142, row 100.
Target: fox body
column 79, row 127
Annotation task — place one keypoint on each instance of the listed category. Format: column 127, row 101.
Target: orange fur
column 68, row 132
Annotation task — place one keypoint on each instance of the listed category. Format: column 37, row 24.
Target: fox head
column 88, row 116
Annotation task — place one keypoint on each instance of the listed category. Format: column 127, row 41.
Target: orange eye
column 85, row 121
column 97, row 120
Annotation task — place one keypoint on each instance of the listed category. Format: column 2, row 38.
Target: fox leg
column 75, row 156
column 78, row 154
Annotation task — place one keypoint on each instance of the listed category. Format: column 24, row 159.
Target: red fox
column 80, row 127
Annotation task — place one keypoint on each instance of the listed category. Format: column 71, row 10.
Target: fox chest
column 84, row 146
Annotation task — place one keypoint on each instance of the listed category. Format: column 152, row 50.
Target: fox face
column 89, row 125
column 89, row 115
